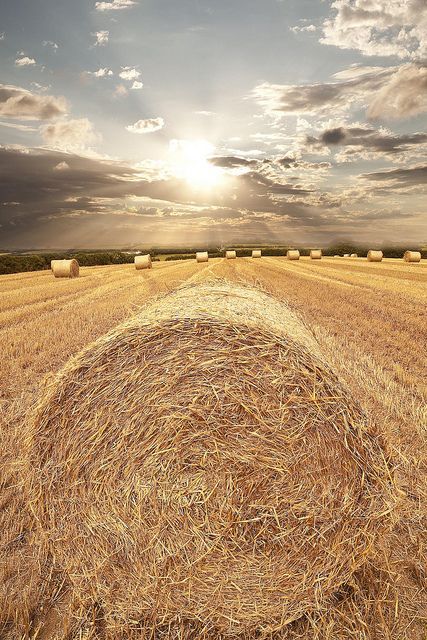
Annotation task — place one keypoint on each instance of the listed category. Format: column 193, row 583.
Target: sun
column 190, row 163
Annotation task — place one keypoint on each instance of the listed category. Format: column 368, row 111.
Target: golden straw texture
column 65, row 268
column 202, row 256
column 412, row 256
column 293, row 254
column 375, row 256
column 316, row 254
column 201, row 466
column 143, row 262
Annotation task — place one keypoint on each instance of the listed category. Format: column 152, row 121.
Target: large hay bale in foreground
column 375, row 256
column 65, row 268
column 202, row 256
column 412, row 256
column 230, row 255
column 256, row 253
column 316, row 254
column 293, row 254
column 143, row 262
column 202, row 465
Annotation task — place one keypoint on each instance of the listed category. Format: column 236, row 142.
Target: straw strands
column 316, row 254
column 412, row 256
column 230, row 255
column 256, row 253
column 65, row 268
column 293, row 254
column 143, row 262
column 201, row 466
column 202, row 256
column 375, row 256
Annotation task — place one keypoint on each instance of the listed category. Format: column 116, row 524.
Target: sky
column 128, row 123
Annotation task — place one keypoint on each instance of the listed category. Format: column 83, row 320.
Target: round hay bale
column 353, row 255
column 293, row 254
column 375, row 256
column 412, row 256
column 316, row 254
column 230, row 255
column 346, row 255
column 143, row 262
column 256, row 253
column 202, row 256
column 65, row 268
column 202, row 464
column 337, row 256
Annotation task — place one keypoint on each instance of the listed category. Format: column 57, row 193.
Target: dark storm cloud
column 20, row 104
column 400, row 177
column 366, row 139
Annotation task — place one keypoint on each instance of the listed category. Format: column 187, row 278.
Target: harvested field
column 368, row 322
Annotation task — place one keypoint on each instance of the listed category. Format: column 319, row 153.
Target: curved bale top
column 230, row 255
column 293, row 254
column 202, row 256
column 143, row 262
column 65, row 268
column 202, row 465
column 412, row 256
column 375, row 256
column 316, row 254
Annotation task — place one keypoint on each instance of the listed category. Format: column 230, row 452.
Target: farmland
column 369, row 319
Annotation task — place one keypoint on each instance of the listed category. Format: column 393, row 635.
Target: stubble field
column 370, row 320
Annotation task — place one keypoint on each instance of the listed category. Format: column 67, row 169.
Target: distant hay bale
column 230, row 255
column 65, row 268
column 316, row 254
column 202, row 256
column 353, row 255
column 202, row 465
column 143, row 262
column 412, row 256
column 293, row 254
column 375, row 256
column 346, row 255
column 337, row 256
column 256, row 253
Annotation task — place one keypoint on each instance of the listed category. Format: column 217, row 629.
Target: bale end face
column 256, row 253
column 143, row 262
column 230, row 255
column 65, row 268
column 353, row 255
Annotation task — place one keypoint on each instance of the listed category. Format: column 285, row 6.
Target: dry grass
column 366, row 319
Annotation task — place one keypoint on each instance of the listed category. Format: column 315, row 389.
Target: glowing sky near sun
column 205, row 121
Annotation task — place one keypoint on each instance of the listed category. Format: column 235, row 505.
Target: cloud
column 115, row 5
column 400, row 177
column 52, row 45
column 21, row 104
column 146, row 126
column 120, row 91
column 101, row 38
column 388, row 92
column 2, row 35
column 129, row 73
column 379, row 27
column 61, row 166
column 308, row 28
column 231, row 162
column 73, row 135
column 24, row 61
column 365, row 142
column 137, row 85
column 101, row 73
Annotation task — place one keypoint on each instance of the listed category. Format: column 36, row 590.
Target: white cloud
column 101, row 38
column 115, row 5
column 310, row 28
column 24, row 61
column 120, row 91
column 129, row 73
column 146, row 126
column 2, row 35
column 403, row 96
column 49, row 43
column 379, row 27
column 137, row 85
column 69, row 135
column 101, row 73
column 61, row 166
column 21, row 104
